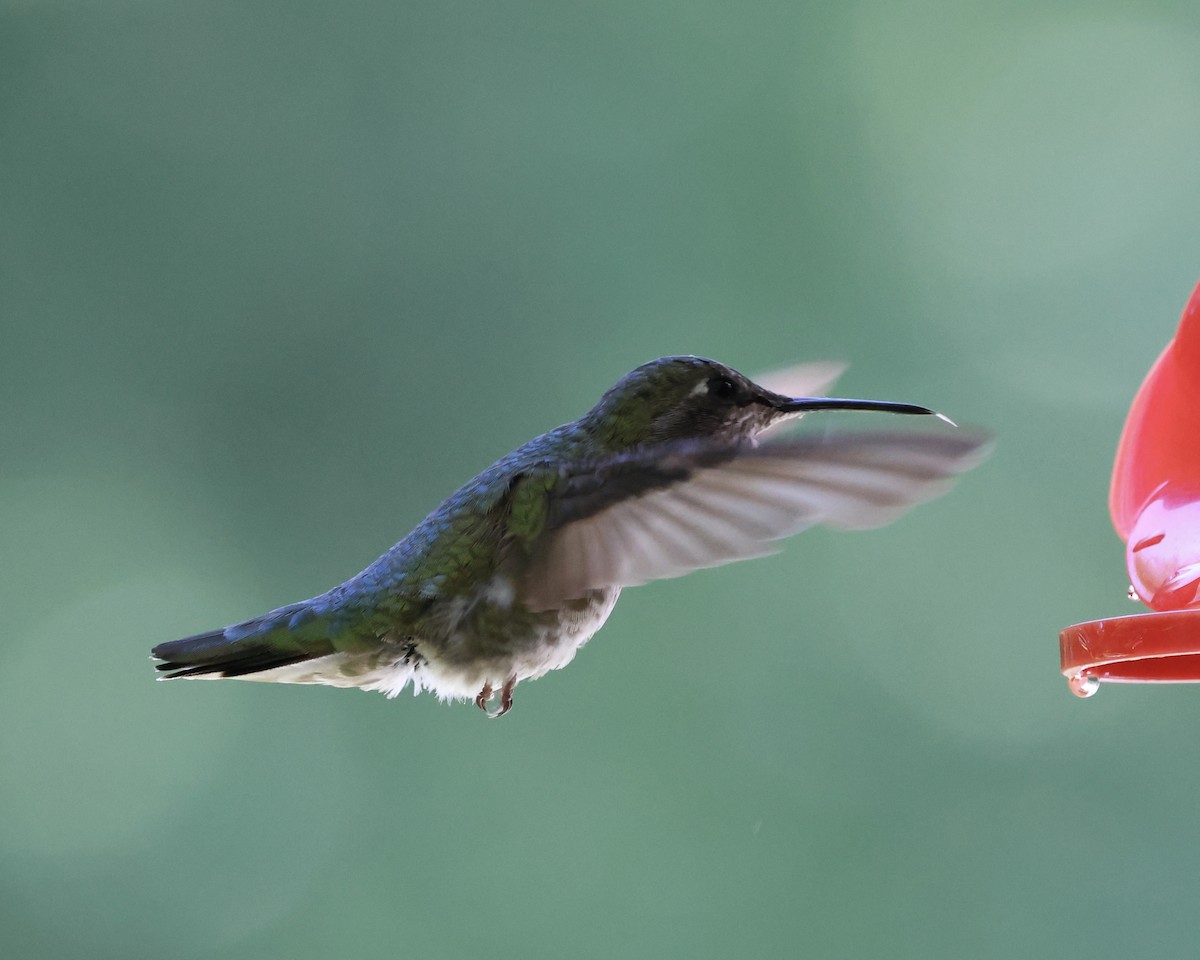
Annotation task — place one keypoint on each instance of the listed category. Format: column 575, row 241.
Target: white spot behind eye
column 701, row 387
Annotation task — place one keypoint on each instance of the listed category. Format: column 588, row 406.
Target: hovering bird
column 512, row 574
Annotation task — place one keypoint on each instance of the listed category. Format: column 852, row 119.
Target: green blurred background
column 277, row 277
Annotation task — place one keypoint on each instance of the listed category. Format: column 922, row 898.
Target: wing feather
column 663, row 512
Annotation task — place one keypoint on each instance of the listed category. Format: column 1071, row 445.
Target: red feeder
column 1155, row 506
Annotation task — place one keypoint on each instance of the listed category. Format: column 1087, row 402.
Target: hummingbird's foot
column 485, row 695
column 506, row 698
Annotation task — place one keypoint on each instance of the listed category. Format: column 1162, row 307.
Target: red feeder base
column 1144, row 648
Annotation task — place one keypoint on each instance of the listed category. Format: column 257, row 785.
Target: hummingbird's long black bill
column 807, row 404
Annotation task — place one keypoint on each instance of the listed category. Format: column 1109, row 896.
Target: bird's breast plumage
column 490, row 637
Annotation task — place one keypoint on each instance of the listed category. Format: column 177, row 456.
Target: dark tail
column 276, row 639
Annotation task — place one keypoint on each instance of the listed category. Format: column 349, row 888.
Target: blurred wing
column 648, row 516
column 802, row 379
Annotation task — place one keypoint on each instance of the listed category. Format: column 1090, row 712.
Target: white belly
column 549, row 646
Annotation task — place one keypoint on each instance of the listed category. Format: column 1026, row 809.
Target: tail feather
column 282, row 637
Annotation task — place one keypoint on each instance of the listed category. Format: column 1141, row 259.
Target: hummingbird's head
column 691, row 398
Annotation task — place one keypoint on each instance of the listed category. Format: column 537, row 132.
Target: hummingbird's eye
column 722, row 388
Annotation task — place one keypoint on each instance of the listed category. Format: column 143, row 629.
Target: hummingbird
column 516, row 571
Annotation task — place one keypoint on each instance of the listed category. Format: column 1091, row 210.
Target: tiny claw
column 485, row 695
column 506, row 699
